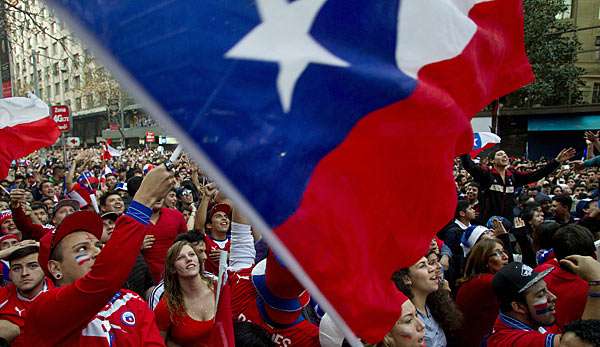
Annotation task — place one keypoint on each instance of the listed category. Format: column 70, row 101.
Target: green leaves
column 551, row 44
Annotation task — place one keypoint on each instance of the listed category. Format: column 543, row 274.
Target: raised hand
column 587, row 268
column 565, row 155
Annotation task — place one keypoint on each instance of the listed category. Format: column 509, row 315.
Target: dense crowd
column 126, row 251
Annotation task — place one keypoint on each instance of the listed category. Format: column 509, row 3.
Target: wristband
column 594, row 283
column 594, row 294
column 139, row 212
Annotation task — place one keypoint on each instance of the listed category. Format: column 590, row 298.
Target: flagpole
column 4, row 189
column 62, row 140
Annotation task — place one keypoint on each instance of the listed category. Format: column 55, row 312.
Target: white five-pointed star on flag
column 284, row 37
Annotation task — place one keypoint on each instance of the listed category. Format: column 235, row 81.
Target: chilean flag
column 25, row 126
column 332, row 123
column 483, row 141
column 109, row 151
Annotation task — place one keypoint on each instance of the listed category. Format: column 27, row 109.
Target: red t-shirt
column 212, row 245
column 509, row 332
column 170, row 224
column 570, row 290
column 13, row 307
column 184, row 330
column 477, row 301
column 244, row 308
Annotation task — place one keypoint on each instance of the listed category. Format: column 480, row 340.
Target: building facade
column 585, row 15
column 47, row 59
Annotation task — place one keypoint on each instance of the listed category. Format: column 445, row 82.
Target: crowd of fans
column 127, row 251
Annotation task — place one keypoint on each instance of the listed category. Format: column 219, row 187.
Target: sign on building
column 61, row 114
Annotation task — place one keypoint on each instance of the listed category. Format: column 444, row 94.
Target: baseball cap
column 78, row 221
column 4, row 215
column 221, row 207
column 66, row 202
column 110, row 215
column 514, row 279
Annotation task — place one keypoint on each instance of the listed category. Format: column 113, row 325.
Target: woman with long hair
column 421, row 284
column 187, row 313
column 476, row 298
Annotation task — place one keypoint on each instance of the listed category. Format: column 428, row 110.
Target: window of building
column 596, row 93
column 42, row 93
column 66, row 85
column 568, row 10
column 57, row 89
column 49, row 91
column 76, row 82
column 77, row 106
column 89, row 101
column 76, row 61
column 55, row 69
column 55, row 48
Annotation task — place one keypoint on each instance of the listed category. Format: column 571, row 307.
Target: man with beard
column 527, row 306
column 28, row 282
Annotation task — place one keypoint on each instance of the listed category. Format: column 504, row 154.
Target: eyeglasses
column 498, row 254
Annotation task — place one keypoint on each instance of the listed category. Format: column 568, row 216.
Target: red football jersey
column 212, row 245
column 13, row 307
column 126, row 320
column 244, row 308
column 511, row 332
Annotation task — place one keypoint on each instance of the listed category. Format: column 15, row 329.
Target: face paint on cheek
column 541, row 308
column 82, row 258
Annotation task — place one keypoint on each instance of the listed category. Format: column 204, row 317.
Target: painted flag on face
column 333, row 123
column 483, row 141
column 25, row 126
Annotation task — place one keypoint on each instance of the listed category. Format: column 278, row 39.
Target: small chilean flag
column 483, row 141
column 25, row 126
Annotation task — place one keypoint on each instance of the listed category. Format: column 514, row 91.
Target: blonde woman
column 187, row 313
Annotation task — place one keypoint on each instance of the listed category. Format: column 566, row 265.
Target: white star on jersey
column 283, row 37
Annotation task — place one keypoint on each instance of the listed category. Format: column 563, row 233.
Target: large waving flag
column 334, row 123
column 25, row 126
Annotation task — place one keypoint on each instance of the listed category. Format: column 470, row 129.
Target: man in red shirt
column 35, row 231
column 216, row 238
column 88, row 308
column 570, row 289
column 28, row 282
column 527, row 307
column 165, row 225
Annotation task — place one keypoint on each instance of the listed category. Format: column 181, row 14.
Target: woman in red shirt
column 187, row 313
column 475, row 297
